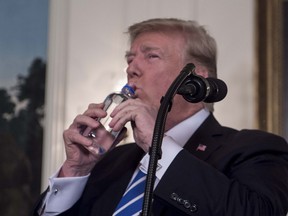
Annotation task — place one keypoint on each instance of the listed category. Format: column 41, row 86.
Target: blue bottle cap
column 128, row 90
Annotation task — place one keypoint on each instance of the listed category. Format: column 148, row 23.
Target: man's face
column 154, row 61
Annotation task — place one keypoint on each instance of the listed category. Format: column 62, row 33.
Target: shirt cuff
column 63, row 193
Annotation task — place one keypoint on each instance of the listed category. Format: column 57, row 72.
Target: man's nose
column 133, row 70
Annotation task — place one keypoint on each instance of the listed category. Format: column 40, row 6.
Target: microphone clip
column 194, row 89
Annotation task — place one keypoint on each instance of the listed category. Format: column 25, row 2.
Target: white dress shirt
column 64, row 192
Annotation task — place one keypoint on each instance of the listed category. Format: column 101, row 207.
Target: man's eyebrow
column 128, row 54
column 144, row 49
column 149, row 48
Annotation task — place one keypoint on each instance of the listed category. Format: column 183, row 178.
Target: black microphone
column 197, row 88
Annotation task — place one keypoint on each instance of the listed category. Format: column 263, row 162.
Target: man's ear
column 201, row 70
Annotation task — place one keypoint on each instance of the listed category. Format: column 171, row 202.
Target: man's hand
column 80, row 161
column 142, row 117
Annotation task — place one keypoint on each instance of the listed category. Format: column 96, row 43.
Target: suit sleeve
column 242, row 181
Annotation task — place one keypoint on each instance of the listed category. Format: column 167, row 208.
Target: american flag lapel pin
column 201, row 147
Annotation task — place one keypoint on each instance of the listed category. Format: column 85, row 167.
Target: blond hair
column 201, row 47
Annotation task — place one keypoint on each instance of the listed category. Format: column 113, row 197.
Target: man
column 205, row 169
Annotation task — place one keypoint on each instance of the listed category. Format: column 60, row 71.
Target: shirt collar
column 183, row 131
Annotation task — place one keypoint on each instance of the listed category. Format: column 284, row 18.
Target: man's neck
column 177, row 116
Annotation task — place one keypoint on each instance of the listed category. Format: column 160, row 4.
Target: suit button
column 180, row 200
column 193, row 208
column 187, row 204
column 174, row 196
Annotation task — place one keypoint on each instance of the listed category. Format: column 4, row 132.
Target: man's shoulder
column 253, row 140
column 256, row 136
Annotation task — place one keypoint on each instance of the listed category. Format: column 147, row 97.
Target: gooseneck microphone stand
column 158, row 133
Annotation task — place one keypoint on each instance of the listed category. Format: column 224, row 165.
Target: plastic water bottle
column 104, row 135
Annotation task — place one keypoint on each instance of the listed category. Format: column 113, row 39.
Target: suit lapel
column 209, row 136
column 204, row 141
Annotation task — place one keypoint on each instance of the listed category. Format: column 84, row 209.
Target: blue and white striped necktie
column 131, row 202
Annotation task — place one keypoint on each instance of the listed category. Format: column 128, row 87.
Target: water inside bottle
column 104, row 137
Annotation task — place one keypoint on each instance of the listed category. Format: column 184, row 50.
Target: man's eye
column 129, row 60
column 151, row 56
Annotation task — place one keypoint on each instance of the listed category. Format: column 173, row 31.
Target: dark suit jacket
column 239, row 173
